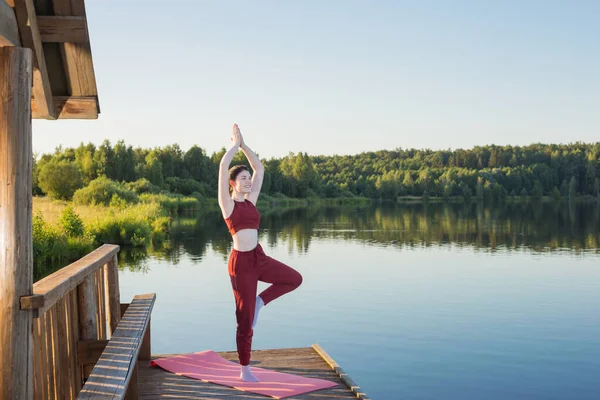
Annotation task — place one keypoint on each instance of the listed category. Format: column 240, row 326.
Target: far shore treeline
column 488, row 173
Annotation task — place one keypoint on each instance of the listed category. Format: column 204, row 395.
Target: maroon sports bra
column 244, row 216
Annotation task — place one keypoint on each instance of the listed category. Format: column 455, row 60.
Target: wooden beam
column 30, row 37
column 111, row 271
column 16, row 249
column 77, row 57
column 87, row 305
column 71, row 108
column 9, row 31
column 62, row 29
column 32, row 302
column 56, row 286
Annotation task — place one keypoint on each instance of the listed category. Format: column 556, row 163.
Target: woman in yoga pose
column 248, row 264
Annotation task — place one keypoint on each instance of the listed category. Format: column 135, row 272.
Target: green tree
column 60, row 179
column 124, row 162
column 85, row 161
column 71, row 223
column 104, row 158
column 538, row 190
column 479, row 188
column 408, row 182
column 388, row 185
column 564, row 189
column 556, row 194
column 572, row 188
column 300, row 170
column 524, row 194
column 153, row 170
column 197, row 163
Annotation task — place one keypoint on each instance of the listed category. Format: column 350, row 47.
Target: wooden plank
column 77, row 57
column 37, row 361
column 50, row 392
column 61, row 341
column 32, row 302
column 30, row 37
column 58, row 284
column 133, row 392
column 146, row 350
column 68, row 107
column 115, row 368
column 75, row 369
column 88, row 329
column 56, row 71
column 113, row 294
column 341, row 373
column 16, row 251
column 40, row 363
column 55, row 29
column 9, row 30
column 57, row 375
column 101, row 310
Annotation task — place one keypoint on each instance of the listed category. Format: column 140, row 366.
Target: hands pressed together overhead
column 237, row 140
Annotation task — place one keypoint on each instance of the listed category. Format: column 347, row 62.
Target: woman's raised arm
column 225, row 200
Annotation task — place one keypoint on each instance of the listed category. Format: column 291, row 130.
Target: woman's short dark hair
column 234, row 172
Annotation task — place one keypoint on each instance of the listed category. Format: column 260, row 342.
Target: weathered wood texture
column 64, row 82
column 88, row 324
column 16, row 252
column 155, row 383
column 9, row 31
column 73, row 306
column 55, row 29
column 114, row 297
column 77, row 57
column 57, row 361
column 70, row 108
column 30, row 37
column 50, row 289
column 116, row 367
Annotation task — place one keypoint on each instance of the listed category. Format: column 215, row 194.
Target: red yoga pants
column 246, row 268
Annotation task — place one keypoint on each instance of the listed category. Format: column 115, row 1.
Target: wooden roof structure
column 64, row 83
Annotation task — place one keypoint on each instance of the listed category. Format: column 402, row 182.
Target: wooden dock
column 155, row 382
column 86, row 344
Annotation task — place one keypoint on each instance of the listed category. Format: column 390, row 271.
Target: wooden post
column 88, row 328
column 133, row 392
column 16, row 258
column 114, row 297
column 146, row 350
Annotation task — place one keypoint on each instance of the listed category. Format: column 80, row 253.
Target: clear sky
column 340, row 77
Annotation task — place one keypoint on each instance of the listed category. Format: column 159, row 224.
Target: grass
column 55, row 240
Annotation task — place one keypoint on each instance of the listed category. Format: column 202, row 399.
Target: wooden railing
column 77, row 309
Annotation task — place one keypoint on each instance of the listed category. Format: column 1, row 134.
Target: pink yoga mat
column 210, row 367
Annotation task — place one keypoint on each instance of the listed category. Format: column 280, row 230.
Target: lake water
column 413, row 301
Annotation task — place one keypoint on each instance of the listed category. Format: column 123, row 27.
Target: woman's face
column 243, row 182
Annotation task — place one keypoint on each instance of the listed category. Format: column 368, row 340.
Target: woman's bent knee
column 298, row 280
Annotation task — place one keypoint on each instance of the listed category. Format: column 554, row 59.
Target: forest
column 489, row 173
